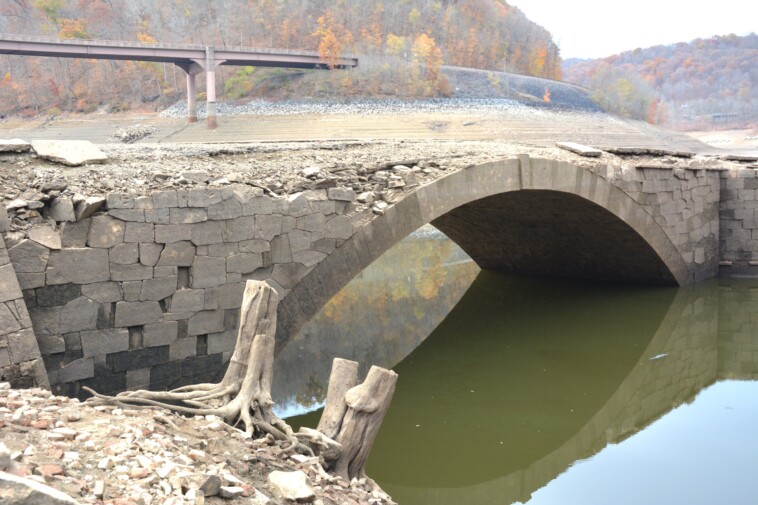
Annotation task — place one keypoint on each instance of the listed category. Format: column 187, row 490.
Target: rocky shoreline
column 149, row 456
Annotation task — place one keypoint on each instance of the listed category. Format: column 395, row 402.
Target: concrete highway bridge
column 193, row 59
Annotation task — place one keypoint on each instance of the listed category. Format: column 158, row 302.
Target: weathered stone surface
column 268, row 226
column 120, row 201
column 292, row 486
column 62, row 210
column 102, row 342
column 130, row 215
column 183, row 348
column 188, row 300
column 9, row 287
column 242, row 228
column 165, row 199
column 158, row 289
column 124, row 254
column 8, row 322
column 103, row 292
column 139, row 359
column 150, row 253
column 130, row 272
column 209, row 321
column 180, row 254
column 51, row 344
column 45, row 236
column 29, row 256
column 14, row 146
column 75, row 234
column 69, row 152
column 154, row 335
column 79, row 266
column 341, row 194
column 139, row 232
column 46, row 320
column 83, row 368
column 22, row 346
column 208, row 272
column 5, row 222
column 31, row 281
column 79, row 314
column 206, row 233
column 137, row 313
column 88, row 207
column 340, row 227
column 105, row 232
column 244, row 263
column 169, row 233
column 22, row 491
column 222, row 342
column 187, row 215
column 50, row 296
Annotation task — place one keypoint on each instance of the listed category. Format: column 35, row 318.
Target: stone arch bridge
column 146, row 291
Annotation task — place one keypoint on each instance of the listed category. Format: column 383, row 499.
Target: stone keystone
column 69, row 152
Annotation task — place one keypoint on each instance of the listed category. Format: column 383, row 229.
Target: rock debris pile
column 125, row 456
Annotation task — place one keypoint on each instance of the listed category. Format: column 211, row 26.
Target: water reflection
column 526, row 377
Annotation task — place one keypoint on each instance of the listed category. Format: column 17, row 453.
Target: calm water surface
column 531, row 390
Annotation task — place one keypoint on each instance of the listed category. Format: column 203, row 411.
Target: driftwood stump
column 352, row 417
column 244, row 394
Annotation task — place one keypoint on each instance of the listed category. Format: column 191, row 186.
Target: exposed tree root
column 244, row 394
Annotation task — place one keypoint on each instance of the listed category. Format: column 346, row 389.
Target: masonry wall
column 147, row 293
column 739, row 222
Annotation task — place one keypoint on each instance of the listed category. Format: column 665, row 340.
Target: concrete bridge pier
column 191, row 70
column 210, row 85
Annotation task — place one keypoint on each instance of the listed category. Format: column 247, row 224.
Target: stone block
column 137, row 314
column 45, row 236
column 72, row 341
column 299, row 240
column 341, row 194
column 75, row 234
column 158, row 289
column 22, row 346
column 203, row 323
column 9, row 286
column 308, row 258
column 29, row 256
column 144, row 203
column 78, row 315
column 150, row 253
column 255, row 246
column 31, row 281
column 264, row 205
column 242, row 228
column 165, row 199
column 139, row 232
column 288, row 275
column 222, row 342
column 230, row 295
column 188, row 300
column 105, row 232
column 221, row 250
column 62, row 210
column 46, row 320
column 129, row 215
column 180, row 254
column 138, row 379
column 206, row 233
column 268, row 226
column 299, row 205
column 130, row 272
column 79, row 369
column 227, row 209
column 208, row 272
column 158, row 334
column 312, row 222
column 51, row 344
column 183, row 348
column 88, row 207
column 124, row 254
column 166, row 272
column 5, row 222
column 120, row 201
column 341, row 227
column 132, row 290
column 78, row 266
column 103, row 292
column 102, row 342
column 158, row 216
column 49, row 296
column 138, row 359
column 187, row 215
column 168, row 234
column 244, row 263
column 8, row 321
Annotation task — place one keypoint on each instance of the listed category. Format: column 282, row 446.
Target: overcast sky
column 596, row 28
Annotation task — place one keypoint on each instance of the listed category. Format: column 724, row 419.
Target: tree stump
column 244, row 394
column 352, row 417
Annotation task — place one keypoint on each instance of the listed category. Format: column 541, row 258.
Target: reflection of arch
column 498, row 213
column 686, row 342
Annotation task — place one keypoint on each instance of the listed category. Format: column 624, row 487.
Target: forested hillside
column 402, row 45
column 707, row 83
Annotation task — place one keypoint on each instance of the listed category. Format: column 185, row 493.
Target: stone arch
column 524, row 193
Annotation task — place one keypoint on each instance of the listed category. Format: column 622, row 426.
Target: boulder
column 21, row 491
column 72, row 153
column 291, row 486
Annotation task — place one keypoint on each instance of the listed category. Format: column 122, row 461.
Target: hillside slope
column 706, row 83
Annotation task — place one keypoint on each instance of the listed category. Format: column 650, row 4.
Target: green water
column 536, row 390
